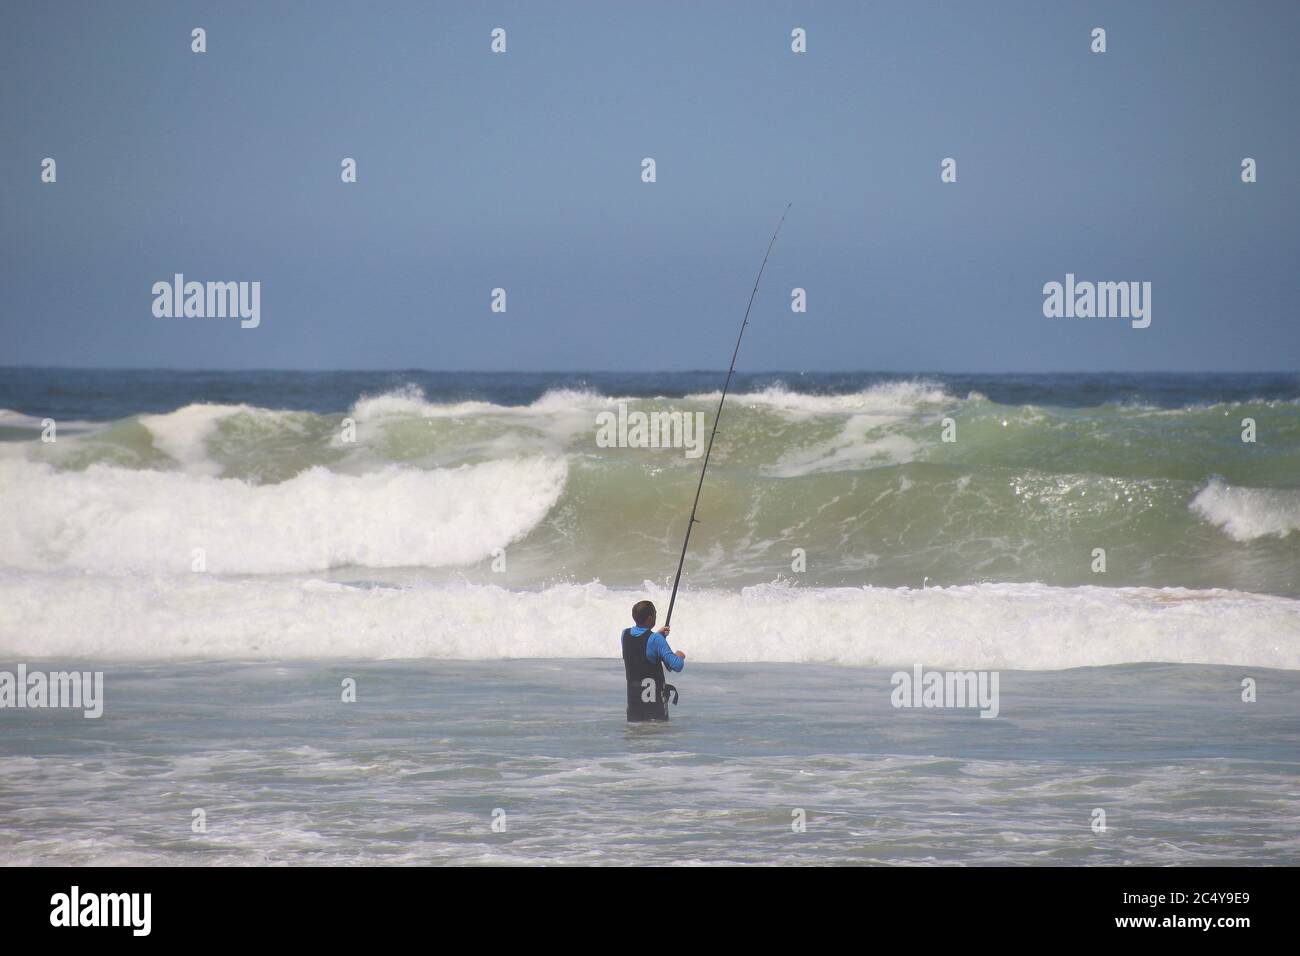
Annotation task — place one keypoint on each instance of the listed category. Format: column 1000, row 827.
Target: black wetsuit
column 638, row 670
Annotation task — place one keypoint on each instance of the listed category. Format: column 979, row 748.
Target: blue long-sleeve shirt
column 657, row 649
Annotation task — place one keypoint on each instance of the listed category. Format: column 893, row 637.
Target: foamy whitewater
column 228, row 547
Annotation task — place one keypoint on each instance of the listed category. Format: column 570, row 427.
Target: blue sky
column 522, row 171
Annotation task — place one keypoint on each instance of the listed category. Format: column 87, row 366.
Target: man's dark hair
column 643, row 612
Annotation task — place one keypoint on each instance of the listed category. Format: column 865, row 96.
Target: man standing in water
column 645, row 654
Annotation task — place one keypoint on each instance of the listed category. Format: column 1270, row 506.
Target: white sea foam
column 870, row 436
column 864, row 442
column 1020, row 626
column 1248, row 513
column 409, row 401
column 183, row 435
column 547, row 426
column 12, row 419
column 113, row 520
column 888, row 398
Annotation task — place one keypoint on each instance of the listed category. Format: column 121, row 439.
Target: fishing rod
column 716, row 418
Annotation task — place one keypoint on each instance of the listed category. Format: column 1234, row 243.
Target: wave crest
column 1245, row 514
column 115, row 520
column 1022, row 626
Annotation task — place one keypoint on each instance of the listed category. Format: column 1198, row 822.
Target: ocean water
column 229, row 547
column 413, row 771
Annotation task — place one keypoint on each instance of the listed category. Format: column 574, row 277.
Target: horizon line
column 660, row 371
